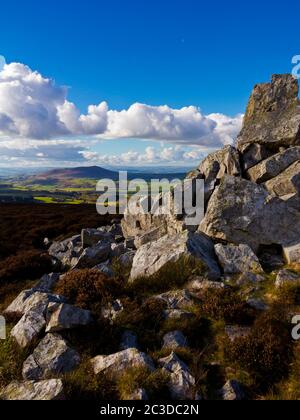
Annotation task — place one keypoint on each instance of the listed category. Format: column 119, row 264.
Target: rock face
column 52, row 357
column 116, row 364
column 150, row 258
column 182, row 383
column 286, row 183
column 242, row 212
column 65, row 317
column 273, row 166
column 38, row 391
column 91, row 237
column 237, row 259
column 216, row 166
column 47, row 282
column 93, row 256
column 28, row 328
column 272, row 118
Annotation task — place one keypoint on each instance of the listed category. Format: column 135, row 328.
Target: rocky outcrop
column 52, row 357
column 237, row 259
column 150, row 258
column 116, row 364
column 49, row 390
column 272, row 118
column 287, row 183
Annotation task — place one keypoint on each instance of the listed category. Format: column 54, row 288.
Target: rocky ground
column 153, row 308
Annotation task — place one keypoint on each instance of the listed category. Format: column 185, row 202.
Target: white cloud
column 32, row 106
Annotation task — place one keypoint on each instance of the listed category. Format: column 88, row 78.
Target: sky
column 134, row 83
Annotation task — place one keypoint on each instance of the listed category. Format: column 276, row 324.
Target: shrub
column 226, row 304
column 266, row 352
column 88, row 289
column 26, row 265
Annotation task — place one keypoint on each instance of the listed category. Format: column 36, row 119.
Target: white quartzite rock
column 39, row 391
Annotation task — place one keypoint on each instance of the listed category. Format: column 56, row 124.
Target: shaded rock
column 117, row 250
column 63, row 250
column 286, row 277
column 126, row 260
column 52, row 357
column 286, row 183
column 248, row 277
column 237, row 258
column 233, row 332
column 28, row 328
column 129, row 243
column 38, row 391
column 94, row 256
column 150, row 258
column 242, row 212
column 91, row 237
column 274, row 165
column 272, row 117
column 116, row 364
column 174, row 340
column 129, row 340
column 182, row 383
column 30, row 300
column 150, row 236
column 47, row 282
column 105, row 268
column 64, row 317
column 232, row 391
column 253, row 154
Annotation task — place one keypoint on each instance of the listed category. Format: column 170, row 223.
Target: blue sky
column 175, row 53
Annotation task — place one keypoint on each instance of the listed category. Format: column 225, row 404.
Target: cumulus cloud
column 32, row 106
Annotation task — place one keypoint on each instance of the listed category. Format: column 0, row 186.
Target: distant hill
column 91, row 172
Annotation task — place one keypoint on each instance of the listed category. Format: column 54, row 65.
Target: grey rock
column 182, row 383
column 28, row 328
column 232, row 391
column 198, row 284
column 257, row 304
column 253, row 154
column 150, row 236
column 249, row 277
column 286, row 277
column 175, row 299
column 112, row 310
column 52, row 357
column 94, row 256
column 126, row 260
column 34, row 391
column 116, row 364
column 91, row 237
column 64, row 317
column 150, row 258
column 129, row 340
column 237, row 258
column 178, row 315
column 105, row 268
column 174, row 340
column 292, row 252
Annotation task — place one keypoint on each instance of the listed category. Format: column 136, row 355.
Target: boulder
column 242, row 212
column 232, row 391
column 286, row 183
column 34, row 391
column 174, row 340
column 182, row 383
column 257, row 304
column 59, row 249
column 175, row 299
column 272, row 118
column 62, row 317
column 94, row 256
column 291, row 252
column 112, row 310
column 116, row 364
column 286, row 277
column 249, row 277
column 30, row 300
column 197, row 284
column 52, row 357
column 150, row 258
column 178, row 315
column 274, row 165
column 117, row 250
column 47, row 282
column 253, row 154
column 105, row 268
column 28, row 328
column 91, row 237
column 126, row 260
column 237, row 259
column 129, row 340
column 150, row 236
